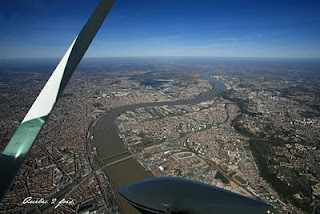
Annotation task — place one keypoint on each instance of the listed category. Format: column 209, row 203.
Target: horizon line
column 164, row 56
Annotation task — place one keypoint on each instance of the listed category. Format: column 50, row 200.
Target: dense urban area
column 259, row 138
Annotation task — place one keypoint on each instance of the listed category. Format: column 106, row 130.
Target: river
column 108, row 142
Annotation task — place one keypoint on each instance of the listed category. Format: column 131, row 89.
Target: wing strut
column 20, row 144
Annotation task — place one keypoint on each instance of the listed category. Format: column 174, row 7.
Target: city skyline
column 288, row 29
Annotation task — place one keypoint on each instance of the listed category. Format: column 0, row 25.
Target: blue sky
column 282, row 28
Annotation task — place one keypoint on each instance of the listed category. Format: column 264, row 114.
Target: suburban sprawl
column 259, row 137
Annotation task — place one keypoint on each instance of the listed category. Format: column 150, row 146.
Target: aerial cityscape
column 257, row 137
column 225, row 94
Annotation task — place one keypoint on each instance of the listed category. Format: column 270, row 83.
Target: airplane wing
column 157, row 195
column 178, row 195
column 20, row 144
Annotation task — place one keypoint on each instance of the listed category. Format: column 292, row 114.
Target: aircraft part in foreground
column 158, row 195
column 20, row 144
column 178, row 195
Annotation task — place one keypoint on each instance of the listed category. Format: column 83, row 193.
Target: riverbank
column 108, row 143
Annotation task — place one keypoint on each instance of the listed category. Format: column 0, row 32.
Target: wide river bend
column 108, row 142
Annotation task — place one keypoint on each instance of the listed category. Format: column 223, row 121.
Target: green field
column 222, row 178
column 240, row 180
